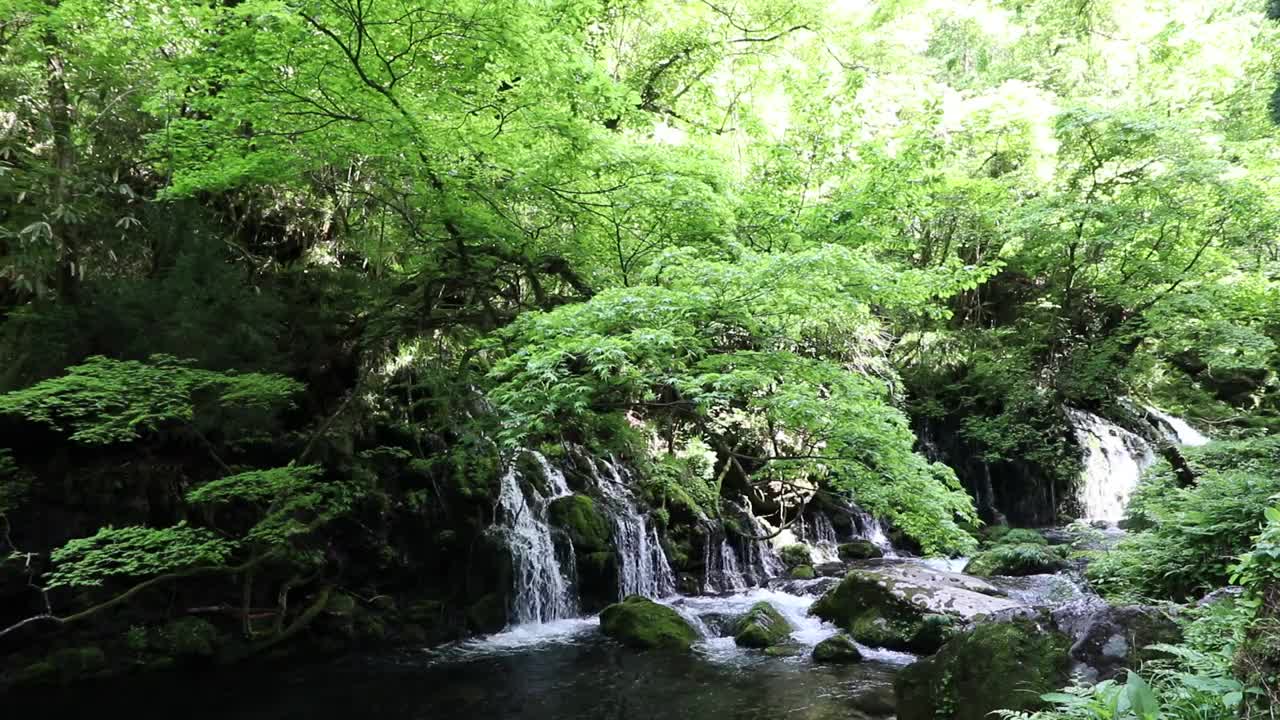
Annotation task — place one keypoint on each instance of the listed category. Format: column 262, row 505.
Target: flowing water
column 1176, row 429
column 1114, row 459
column 543, row 586
column 643, row 565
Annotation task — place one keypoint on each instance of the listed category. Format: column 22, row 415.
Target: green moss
column 488, row 614
column 1017, row 559
column 188, row 637
column 994, row 666
column 1017, row 536
column 340, row 604
column 761, row 627
column 802, row 572
column 795, row 555
column 578, row 516
column 859, row 550
column 873, row 615
column 63, row 667
column 837, row 649
column 644, row 624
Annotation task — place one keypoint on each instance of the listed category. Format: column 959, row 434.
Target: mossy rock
column 761, row 627
column 859, row 550
column 1015, row 536
column 837, row 649
column 340, row 604
column 1017, row 559
column 488, row 614
column 803, row 572
column 188, row 638
column 643, row 624
column 63, row 667
column 579, row 517
column 795, row 555
column 1004, row 665
column 865, row 607
column 789, row 650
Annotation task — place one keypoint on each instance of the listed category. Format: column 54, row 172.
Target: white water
column 543, row 589
column 1114, row 459
column 871, row 528
column 720, row 571
column 820, row 536
column 1182, row 433
column 521, row 637
column 643, row 568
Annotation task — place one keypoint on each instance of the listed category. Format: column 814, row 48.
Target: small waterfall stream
column 1175, row 428
column 543, row 588
column 643, row 568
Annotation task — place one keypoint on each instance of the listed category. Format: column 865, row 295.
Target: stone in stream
column 859, row 550
column 994, row 666
column 837, row 649
column 1017, row 559
column 1107, row 640
column 762, row 626
column 908, row 607
column 830, row 569
column 643, row 624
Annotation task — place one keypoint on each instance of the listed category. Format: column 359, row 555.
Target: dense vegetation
column 285, row 286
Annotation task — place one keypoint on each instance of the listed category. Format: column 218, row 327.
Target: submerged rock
column 761, row 627
column 830, row 569
column 907, row 607
column 837, row 649
column 994, row 666
column 802, row 572
column 859, row 550
column 644, row 624
column 1017, row 559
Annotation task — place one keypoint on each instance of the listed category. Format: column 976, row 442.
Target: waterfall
column 720, row 571
column 759, row 561
column 1114, row 460
column 1176, row 429
column 820, row 536
column 871, row 528
column 543, row 589
column 643, row 568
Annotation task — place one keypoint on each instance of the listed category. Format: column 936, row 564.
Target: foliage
column 134, row 552
column 104, row 401
column 289, row 501
column 1188, row 536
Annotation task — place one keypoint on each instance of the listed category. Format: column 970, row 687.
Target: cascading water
column 820, row 534
column 1114, row 459
column 543, row 588
column 1177, row 429
column 871, row 528
column 720, row 572
column 643, row 568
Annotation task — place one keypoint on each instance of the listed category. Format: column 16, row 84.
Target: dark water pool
column 575, row 674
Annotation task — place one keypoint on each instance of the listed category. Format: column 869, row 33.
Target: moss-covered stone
column 995, row 666
column 864, row 606
column 644, row 624
column 1004, row 535
column 802, row 572
column 1017, row 559
column 62, row 667
column 761, row 627
column 188, row 638
column 488, row 614
column 859, row 550
column 837, row 649
column 795, row 555
column 579, row 517
column 340, row 604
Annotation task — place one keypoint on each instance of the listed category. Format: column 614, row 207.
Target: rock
column 340, row 604
column 1107, row 640
column 830, row 569
column 802, row 572
column 488, row 614
column 859, row 550
column 63, row 667
column 1016, row 560
column 1015, row 536
column 876, row 701
column 761, row 627
column 994, row 666
column 578, row 516
column 1224, row 594
column 907, row 607
column 644, row 624
column 784, row 650
column 795, row 555
column 837, row 649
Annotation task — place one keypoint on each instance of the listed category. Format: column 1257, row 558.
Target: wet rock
column 837, row 649
column 830, row 569
column 859, row 550
column 789, row 650
column 1106, row 640
column 877, row 702
column 578, row 516
column 802, row 572
column 643, row 624
column 795, row 555
column 907, row 607
column 1231, row 592
column 761, row 627
column 994, row 666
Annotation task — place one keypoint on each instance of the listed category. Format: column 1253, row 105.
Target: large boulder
column 644, row 624
column 994, row 666
column 1017, row 559
column 837, row 649
column 761, row 627
column 1107, row 640
column 579, row 517
column 908, row 607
